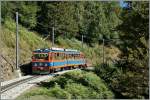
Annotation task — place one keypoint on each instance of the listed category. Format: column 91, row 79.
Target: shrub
column 81, row 84
column 77, row 91
column 57, row 92
column 39, row 91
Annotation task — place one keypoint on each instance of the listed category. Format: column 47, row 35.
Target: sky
column 123, row 4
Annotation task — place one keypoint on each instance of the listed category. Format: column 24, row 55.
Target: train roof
column 53, row 49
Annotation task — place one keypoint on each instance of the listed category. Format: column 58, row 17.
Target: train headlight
column 46, row 65
column 40, row 64
column 35, row 64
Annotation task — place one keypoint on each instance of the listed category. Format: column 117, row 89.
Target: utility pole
column 82, row 40
column 17, row 46
column 103, row 51
column 52, row 36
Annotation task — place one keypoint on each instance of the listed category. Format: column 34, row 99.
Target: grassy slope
column 29, row 41
column 71, row 85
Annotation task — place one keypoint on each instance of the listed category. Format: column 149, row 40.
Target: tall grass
column 29, row 41
column 93, row 54
column 73, row 85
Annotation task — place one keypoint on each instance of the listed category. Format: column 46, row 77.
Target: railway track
column 16, row 83
column 14, row 89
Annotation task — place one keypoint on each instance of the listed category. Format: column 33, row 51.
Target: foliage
column 70, row 19
column 58, row 15
column 27, row 12
column 57, row 92
column 135, row 82
column 130, row 74
column 74, row 85
column 127, row 77
column 101, row 19
column 28, row 41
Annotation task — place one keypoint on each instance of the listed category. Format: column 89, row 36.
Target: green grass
column 29, row 41
column 94, row 54
column 72, row 85
column 76, row 84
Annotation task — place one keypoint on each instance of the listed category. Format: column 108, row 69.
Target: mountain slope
column 29, row 41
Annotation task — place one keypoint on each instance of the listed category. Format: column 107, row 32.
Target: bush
column 57, row 92
column 81, row 84
column 39, row 91
column 77, row 91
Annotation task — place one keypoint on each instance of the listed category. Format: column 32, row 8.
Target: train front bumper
column 40, row 70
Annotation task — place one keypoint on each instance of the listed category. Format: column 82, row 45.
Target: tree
column 59, row 15
column 27, row 12
column 101, row 19
column 134, row 33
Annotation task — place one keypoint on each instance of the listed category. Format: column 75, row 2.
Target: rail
column 14, row 84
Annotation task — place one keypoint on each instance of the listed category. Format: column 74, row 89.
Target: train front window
column 43, row 56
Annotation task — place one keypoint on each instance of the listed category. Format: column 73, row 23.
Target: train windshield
column 43, row 56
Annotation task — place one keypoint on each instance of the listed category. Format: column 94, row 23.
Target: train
column 46, row 61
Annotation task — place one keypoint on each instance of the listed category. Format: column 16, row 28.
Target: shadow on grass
column 45, row 84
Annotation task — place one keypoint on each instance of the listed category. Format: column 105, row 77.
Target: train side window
column 55, row 56
column 67, row 56
column 63, row 56
column 70, row 56
column 74, row 56
column 50, row 56
column 60, row 56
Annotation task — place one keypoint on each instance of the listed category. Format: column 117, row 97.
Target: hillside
column 29, row 41
column 121, row 26
column 71, row 85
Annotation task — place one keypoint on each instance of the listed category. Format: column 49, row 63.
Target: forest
column 125, row 28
